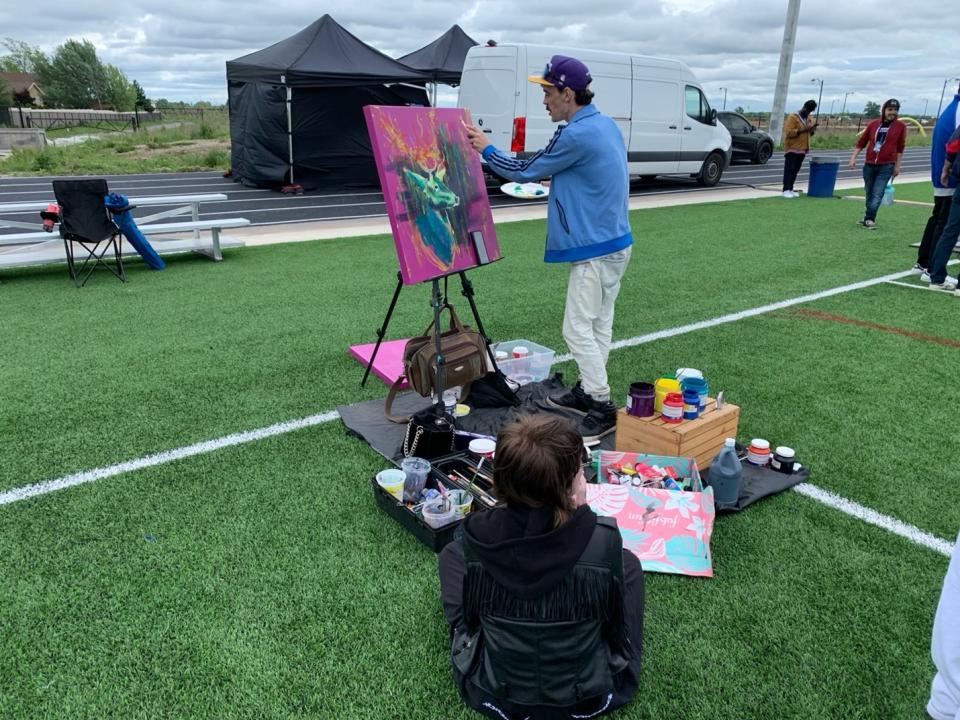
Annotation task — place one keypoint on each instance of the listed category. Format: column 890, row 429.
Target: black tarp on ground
column 331, row 75
column 443, row 58
column 366, row 421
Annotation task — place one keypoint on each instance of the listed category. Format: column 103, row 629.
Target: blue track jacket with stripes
column 586, row 162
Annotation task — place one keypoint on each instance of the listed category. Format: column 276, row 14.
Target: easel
column 438, row 301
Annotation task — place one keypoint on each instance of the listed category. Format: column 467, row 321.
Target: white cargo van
column 666, row 121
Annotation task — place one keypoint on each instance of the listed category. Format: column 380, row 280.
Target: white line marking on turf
column 207, row 446
column 733, row 317
column 872, row 517
column 909, row 285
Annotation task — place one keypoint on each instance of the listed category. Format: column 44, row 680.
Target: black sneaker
column 599, row 422
column 575, row 399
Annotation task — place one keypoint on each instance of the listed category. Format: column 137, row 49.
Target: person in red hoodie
column 884, row 139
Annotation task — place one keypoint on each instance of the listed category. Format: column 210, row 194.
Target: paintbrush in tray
column 463, row 482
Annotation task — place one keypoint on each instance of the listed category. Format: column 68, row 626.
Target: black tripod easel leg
column 467, row 289
column 382, row 330
column 437, row 301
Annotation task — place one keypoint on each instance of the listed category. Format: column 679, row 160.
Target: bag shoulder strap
column 391, row 396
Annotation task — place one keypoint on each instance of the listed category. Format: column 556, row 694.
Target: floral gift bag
column 667, row 529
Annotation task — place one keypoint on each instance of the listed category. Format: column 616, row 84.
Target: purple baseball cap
column 564, row 72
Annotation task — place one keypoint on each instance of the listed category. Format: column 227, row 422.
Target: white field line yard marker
column 872, row 517
column 207, row 446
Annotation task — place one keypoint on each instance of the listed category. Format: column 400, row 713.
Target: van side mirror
column 713, row 116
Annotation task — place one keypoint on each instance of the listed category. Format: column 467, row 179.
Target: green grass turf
column 261, row 581
column 202, row 350
column 913, row 191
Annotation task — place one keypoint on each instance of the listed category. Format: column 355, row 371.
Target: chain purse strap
column 409, row 450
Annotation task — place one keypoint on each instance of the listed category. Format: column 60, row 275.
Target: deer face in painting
column 435, row 200
column 433, row 187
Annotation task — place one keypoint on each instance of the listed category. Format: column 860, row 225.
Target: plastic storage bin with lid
column 532, row 367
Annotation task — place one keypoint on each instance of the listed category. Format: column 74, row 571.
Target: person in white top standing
column 944, row 701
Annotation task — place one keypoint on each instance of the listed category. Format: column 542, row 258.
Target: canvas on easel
column 434, row 190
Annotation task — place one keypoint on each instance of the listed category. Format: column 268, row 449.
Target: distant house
column 20, row 83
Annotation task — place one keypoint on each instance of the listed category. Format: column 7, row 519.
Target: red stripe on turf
column 820, row 315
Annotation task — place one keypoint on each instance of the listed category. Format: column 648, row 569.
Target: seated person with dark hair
column 544, row 605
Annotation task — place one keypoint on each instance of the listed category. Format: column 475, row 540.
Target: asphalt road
column 267, row 207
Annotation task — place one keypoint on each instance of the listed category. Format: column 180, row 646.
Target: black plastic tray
column 435, row 539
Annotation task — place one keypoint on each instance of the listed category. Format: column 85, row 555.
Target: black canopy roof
column 443, row 58
column 323, row 54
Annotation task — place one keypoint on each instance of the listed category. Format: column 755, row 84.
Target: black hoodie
column 519, row 547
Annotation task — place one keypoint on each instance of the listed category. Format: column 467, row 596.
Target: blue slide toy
column 120, row 207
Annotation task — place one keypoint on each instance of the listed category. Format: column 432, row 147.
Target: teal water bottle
column 724, row 476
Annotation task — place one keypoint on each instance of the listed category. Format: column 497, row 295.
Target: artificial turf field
column 261, row 581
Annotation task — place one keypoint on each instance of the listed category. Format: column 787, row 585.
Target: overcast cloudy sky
column 177, row 48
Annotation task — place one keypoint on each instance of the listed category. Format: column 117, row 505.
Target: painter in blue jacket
column 587, row 225
column 948, row 121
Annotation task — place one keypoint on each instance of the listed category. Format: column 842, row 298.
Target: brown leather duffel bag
column 464, row 352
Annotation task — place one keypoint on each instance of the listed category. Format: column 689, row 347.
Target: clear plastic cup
column 391, row 480
column 416, row 471
column 438, row 513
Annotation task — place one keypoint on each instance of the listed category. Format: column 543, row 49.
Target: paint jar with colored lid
column 783, row 460
column 698, row 384
column 691, row 404
column 661, row 387
column 687, row 373
column 758, row 453
column 640, row 399
column 672, row 411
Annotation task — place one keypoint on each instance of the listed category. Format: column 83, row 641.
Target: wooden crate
column 700, row 439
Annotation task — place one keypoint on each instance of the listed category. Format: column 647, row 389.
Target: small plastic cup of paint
column 438, row 513
column 391, row 480
column 461, row 501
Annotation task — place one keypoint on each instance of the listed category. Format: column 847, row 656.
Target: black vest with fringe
column 555, row 650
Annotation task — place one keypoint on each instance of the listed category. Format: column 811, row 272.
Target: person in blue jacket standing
column 587, row 226
column 948, row 121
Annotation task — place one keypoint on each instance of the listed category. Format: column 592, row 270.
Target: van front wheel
column 711, row 171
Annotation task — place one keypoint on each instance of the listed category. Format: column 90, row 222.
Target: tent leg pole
column 290, row 130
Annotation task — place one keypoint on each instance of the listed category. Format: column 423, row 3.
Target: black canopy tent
column 296, row 108
column 443, row 58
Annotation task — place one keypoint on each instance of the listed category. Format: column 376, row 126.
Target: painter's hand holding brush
column 475, row 136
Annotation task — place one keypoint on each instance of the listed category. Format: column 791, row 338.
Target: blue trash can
column 823, row 176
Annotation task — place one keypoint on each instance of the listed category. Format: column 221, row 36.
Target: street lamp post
column 831, row 105
column 925, row 101
column 845, row 95
column 942, row 93
column 820, row 96
column 724, row 97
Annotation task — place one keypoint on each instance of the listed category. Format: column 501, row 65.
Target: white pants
column 588, row 318
column 945, row 691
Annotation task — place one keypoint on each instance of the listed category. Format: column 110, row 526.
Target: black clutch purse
column 429, row 434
